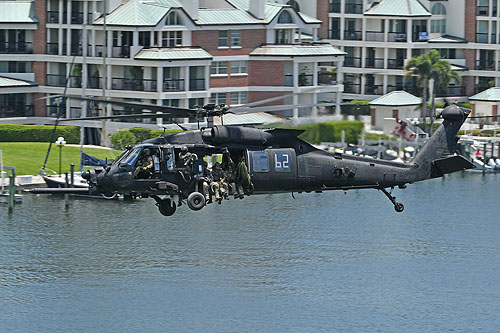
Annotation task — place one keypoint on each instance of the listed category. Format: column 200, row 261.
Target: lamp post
column 60, row 143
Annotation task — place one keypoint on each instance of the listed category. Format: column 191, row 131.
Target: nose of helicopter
column 86, row 175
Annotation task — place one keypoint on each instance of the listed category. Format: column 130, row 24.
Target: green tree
column 122, row 138
column 426, row 67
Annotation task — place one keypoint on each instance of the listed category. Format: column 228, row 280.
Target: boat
column 55, row 180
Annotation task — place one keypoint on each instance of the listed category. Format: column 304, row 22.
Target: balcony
column 326, row 78
column 52, row 16
column 196, row 84
column 76, row 49
column 354, row 8
column 371, row 89
column 395, row 63
column 485, row 65
column 19, row 47
column 374, row 63
column 173, row 85
column 335, row 7
column 133, row 84
column 94, row 83
column 121, row 51
column 352, row 62
column 56, row 80
column 53, row 48
column 306, row 80
column 397, row 37
column 483, row 11
column 422, row 36
column 288, row 80
column 374, row 36
column 75, row 81
column 353, row 35
column 76, row 17
column 481, row 37
column 16, row 110
column 451, row 91
column 352, row 88
column 334, row 34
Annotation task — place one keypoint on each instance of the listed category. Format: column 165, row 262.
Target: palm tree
column 426, row 67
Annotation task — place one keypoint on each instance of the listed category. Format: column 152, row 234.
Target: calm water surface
column 323, row 262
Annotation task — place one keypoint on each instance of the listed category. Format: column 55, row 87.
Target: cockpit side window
column 132, row 157
column 260, row 161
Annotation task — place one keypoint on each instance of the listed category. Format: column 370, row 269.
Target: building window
column 194, row 102
column 171, row 102
column 448, row 53
column 15, row 67
column 438, row 9
column 239, row 67
column 285, row 18
column 438, row 26
column 173, row 19
column 223, row 39
column 238, row 97
column 235, row 38
column 218, row 98
column 283, row 36
column 171, row 38
column 218, row 67
column 145, row 38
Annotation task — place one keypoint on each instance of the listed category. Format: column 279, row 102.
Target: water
column 323, row 262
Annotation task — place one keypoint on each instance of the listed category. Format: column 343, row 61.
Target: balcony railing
column 395, row 63
column 397, row 37
column 352, row 88
column 353, row 35
column 16, row 110
column 56, row 80
column 94, row 83
column 374, row 89
column 325, row 78
column 134, row 84
column 375, row 36
column 335, row 7
column 173, row 85
column 483, row 11
column 75, row 81
column 76, row 49
column 19, row 47
column 76, row 17
column 334, row 34
column 416, row 37
column 374, row 63
column 352, row 62
column 451, row 91
column 196, row 84
column 481, row 37
column 121, row 52
column 485, row 65
column 354, row 8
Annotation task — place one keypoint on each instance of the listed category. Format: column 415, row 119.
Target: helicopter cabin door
column 273, row 169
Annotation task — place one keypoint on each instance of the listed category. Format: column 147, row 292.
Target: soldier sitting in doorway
column 187, row 158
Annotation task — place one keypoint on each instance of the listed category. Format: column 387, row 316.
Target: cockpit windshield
column 122, row 155
column 131, row 158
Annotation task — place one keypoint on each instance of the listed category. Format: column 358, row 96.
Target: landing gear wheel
column 196, row 201
column 399, row 207
column 167, row 207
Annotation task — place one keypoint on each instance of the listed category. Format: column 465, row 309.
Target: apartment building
column 171, row 52
column 379, row 37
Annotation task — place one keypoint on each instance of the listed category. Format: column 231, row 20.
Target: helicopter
column 276, row 160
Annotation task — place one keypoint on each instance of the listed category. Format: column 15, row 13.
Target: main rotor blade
column 276, row 108
column 128, row 116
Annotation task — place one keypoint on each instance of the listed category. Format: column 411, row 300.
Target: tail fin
column 442, row 145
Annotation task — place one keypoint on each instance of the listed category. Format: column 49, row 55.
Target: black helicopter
column 276, row 160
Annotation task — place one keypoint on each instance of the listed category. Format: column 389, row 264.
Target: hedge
column 331, row 131
column 38, row 133
column 142, row 134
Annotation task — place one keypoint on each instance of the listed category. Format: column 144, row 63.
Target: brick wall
column 322, row 14
column 228, row 81
column 470, row 20
column 209, row 40
column 39, row 47
column 255, row 96
column 266, row 73
column 469, row 83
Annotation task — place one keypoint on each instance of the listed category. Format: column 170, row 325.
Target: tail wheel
column 167, row 207
column 399, row 207
column 196, row 201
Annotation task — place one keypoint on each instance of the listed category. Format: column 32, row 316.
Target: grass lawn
column 28, row 157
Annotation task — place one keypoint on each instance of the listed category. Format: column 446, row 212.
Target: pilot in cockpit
column 145, row 165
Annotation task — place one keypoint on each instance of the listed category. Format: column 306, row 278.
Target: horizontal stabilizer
column 442, row 166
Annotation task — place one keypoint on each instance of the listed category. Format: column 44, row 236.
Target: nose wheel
column 398, row 206
column 166, row 207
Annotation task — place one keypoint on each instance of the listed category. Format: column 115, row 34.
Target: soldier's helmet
column 217, row 165
column 184, row 149
column 146, row 151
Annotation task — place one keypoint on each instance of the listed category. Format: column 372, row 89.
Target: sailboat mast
column 83, row 112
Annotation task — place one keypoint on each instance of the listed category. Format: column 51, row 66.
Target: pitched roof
column 17, row 12
column 138, row 13
column 411, row 8
column 316, row 50
column 490, row 95
column 448, row 39
column 397, row 98
column 178, row 53
column 224, row 16
column 7, row 82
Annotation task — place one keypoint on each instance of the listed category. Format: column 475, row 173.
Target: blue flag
column 89, row 160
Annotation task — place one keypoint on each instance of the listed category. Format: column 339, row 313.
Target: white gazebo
column 486, row 103
column 396, row 104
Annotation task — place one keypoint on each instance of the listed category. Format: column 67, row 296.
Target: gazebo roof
column 397, row 98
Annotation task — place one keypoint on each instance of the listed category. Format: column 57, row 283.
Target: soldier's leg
column 206, row 191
